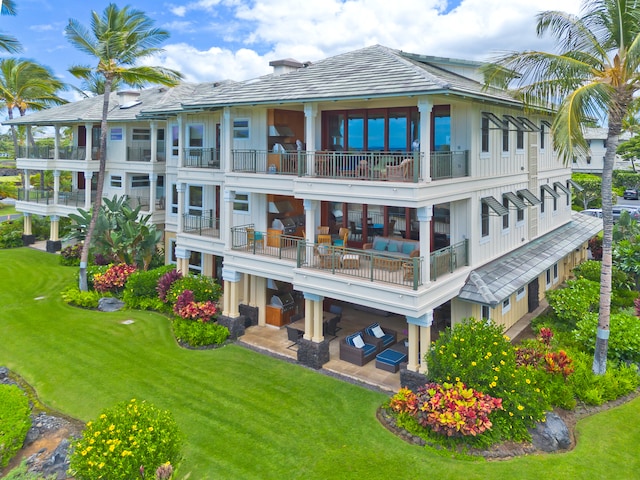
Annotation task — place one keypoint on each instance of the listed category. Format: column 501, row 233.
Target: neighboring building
column 593, row 162
column 377, row 141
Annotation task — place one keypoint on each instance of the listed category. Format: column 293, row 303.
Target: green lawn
column 6, row 209
column 246, row 415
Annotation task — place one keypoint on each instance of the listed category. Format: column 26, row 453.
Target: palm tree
column 118, row 39
column 593, row 74
column 27, row 85
column 7, row 42
column 93, row 85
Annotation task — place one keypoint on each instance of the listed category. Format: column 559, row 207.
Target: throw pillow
column 358, row 342
column 377, row 331
column 393, row 247
column 380, row 244
column 408, row 247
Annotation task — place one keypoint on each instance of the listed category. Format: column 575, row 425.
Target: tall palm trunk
column 97, row 204
column 604, row 316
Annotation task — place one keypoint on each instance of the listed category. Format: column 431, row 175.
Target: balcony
column 375, row 166
column 75, row 198
column 64, row 153
column 197, row 157
column 350, row 262
column 205, row 225
column 143, row 154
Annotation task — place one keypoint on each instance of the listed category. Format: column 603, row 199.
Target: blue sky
column 234, row 39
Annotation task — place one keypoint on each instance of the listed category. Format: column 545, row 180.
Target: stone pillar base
column 412, row 380
column 235, row 325
column 54, row 246
column 28, row 239
column 313, row 354
column 250, row 314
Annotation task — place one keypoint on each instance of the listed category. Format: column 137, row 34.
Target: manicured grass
column 245, row 415
column 6, row 209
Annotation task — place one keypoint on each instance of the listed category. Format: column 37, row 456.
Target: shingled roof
column 497, row 280
column 370, row 72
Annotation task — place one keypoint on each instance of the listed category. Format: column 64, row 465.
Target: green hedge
column 15, row 421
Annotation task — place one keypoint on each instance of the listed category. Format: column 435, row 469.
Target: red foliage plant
column 114, row 278
column 165, row 282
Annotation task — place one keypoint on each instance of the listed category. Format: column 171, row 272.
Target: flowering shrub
column 405, row 401
column 125, row 441
column 165, row 282
column 186, row 307
column 454, row 409
column 114, row 278
column 478, row 354
column 203, row 288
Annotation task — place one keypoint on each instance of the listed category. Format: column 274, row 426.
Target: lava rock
column 551, row 435
column 110, row 304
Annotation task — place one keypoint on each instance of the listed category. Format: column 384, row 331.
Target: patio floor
column 274, row 340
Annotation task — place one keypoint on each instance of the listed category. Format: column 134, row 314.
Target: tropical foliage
column 118, row 41
column 15, row 421
column 592, row 74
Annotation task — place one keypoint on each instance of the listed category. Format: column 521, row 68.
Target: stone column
column 313, row 350
column 54, row 244
column 232, row 286
column 424, row 215
column 424, row 108
column 413, row 361
column 87, row 189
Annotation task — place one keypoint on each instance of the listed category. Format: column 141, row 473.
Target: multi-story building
column 593, row 161
column 389, row 181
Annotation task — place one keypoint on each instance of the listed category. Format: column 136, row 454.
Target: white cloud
column 41, row 27
column 314, row 29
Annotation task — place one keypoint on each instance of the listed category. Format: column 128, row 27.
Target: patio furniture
column 343, row 236
column 294, row 335
column 330, row 327
column 351, row 261
column 336, row 310
column 402, row 172
column 254, row 239
column 359, row 348
column 389, row 360
column 386, row 335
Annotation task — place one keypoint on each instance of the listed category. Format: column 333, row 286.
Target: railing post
column 416, row 273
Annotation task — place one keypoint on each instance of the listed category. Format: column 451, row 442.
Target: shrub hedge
column 15, row 421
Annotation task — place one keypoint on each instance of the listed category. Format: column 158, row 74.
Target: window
column 542, row 200
column 485, row 220
column 520, row 139
column 520, row 294
column 138, row 181
column 195, row 135
column 241, row 128
column 141, row 134
column 588, row 159
column 174, row 199
column 485, row 313
column 195, row 262
column 505, row 136
column 174, row 140
column 241, row 203
column 575, row 159
column 542, row 137
column 116, row 134
column 520, row 215
column 548, row 279
column 506, row 305
column 555, row 202
column 194, row 200
column 485, row 135
column 116, row 181
column 505, row 217
column 555, row 273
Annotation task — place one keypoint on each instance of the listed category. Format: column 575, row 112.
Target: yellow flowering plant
column 125, row 440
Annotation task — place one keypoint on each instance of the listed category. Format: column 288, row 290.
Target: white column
column 425, row 341
column 261, row 298
column 181, row 144
column 56, row 142
column 180, row 187
column 317, row 321
column 413, row 361
column 153, row 126
column 424, row 108
column 182, row 260
column 310, row 116
column 424, row 215
column 225, row 221
column 232, row 287
column 310, row 207
column 56, row 186
column 88, row 141
column 27, row 223
column 87, row 189
column 226, row 141
column 153, row 183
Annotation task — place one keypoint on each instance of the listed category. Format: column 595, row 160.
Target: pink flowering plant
column 113, row 279
column 186, row 307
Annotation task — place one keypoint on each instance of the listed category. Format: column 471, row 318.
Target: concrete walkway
column 520, row 330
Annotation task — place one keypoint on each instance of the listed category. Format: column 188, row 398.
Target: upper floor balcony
column 142, row 153
column 389, row 166
column 368, row 265
column 64, row 153
column 199, row 157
